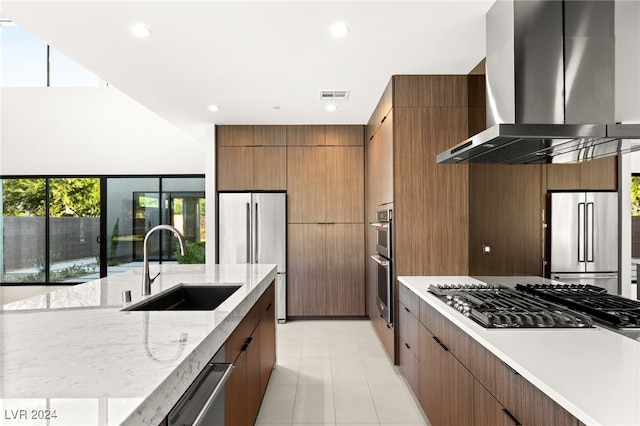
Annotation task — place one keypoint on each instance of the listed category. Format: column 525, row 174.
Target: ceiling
column 251, row 56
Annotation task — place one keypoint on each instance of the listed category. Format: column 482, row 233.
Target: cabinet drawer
column 409, row 331
column 410, row 300
column 236, row 342
column 410, row 366
column 451, row 336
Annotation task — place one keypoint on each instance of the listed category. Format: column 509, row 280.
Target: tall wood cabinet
column 322, row 170
column 325, row 189
column 417, row 118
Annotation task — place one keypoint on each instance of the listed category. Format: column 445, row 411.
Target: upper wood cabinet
column 252, row 168
column 599, row 174
column 270, row 135
column 234, row 135
column 344, row 135
column 251, row 158
column 325, row 184
column 306, row 135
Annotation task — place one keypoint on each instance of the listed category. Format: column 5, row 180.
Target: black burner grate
column 502, row 307
column 613, row 310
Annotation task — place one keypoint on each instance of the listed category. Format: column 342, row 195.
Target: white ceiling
column 249, row 56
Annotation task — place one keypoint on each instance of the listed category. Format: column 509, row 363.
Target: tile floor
column 335, row 373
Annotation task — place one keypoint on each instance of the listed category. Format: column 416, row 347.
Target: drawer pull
column 246, row 344
column 442, row 345
column 407, row 309
column 269, row 306
column 407, row 345
column 512, row 417
column 509, row 368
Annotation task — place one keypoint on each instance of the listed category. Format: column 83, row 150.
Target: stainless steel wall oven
column 383, row 259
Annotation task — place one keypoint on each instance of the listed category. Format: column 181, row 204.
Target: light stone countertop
column 592, row 373
column 74, row 351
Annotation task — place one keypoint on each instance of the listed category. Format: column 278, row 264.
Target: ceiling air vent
column 334, row 95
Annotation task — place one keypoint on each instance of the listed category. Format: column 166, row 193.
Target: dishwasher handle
column 194, row 405
column 219, row 388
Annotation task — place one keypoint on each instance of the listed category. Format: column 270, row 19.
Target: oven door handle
column 380, row 260
column 380, row 225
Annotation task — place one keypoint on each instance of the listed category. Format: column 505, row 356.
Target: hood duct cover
column 550, row 78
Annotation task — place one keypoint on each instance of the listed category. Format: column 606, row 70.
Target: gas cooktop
column 495, row 306
column 609, row 309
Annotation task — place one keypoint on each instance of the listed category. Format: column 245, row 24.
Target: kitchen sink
column 187, row 298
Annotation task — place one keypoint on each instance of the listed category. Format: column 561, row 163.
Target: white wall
column 89, row 131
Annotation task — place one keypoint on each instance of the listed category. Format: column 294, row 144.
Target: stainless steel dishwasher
column 203, row 403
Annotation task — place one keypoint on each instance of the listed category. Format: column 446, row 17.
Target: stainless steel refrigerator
column 252, row 228
column 584, row 238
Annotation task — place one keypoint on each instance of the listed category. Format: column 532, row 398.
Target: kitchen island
column 75, row 353
column 592, row 373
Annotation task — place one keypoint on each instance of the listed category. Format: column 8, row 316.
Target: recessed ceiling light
column 339, row 30
column 331, row 107
column 139, row 30
column 214, row 108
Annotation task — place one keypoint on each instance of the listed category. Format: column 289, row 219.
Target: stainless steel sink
column 187, row 298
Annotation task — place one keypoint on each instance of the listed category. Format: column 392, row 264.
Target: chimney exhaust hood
column 550, row 71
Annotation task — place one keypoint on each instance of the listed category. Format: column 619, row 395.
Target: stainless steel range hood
column 550, row 71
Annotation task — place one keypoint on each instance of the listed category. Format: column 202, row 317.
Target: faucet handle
column 154, row 278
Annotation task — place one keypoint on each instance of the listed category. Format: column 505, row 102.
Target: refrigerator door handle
column 581, row 232
column 255, row 248
column 590, row 231
column 248, row 232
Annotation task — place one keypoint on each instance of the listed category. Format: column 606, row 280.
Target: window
column 28, row 61
column 54, row 229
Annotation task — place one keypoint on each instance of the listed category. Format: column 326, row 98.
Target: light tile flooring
column 335, row 373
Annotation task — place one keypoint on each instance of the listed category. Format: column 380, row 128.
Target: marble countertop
column 592, row 373
column 76, row 353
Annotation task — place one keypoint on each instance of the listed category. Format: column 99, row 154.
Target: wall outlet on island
column 486, row 248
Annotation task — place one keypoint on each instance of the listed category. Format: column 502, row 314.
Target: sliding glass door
column 67, row 230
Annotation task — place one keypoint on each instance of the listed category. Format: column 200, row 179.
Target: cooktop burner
column 501, row 307
column 616, row 311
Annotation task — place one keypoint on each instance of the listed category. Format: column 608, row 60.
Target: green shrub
column 195, row 253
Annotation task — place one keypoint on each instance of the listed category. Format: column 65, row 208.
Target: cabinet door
column 446, row 386
column 254, row 396
column 234, row 135
column 601, row 173
column 409, row 347
column 344, row 180
column 270, row 135
column 487, row 411
column 306, row 290
column 267, row 337
column 563, row 176
column 539, row 409
column 235, row 397
column 345, row 135
column 385, row 161
column 235, row 168
column 305, row 184
column 269, row 168
column 344, row 254
column 306, row 135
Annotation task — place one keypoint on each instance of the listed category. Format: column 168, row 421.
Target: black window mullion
column 48, row 66
column 47, row 228
column 160, row 220
column 103, row 227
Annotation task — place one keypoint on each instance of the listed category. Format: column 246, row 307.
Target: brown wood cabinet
column 251, row 349
column 325, row 184
column 417, row 118
column 599, row 174
column 409, row 348
column 326, row 270
column 251, row 158
column 306, row 135
column 461, row 382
